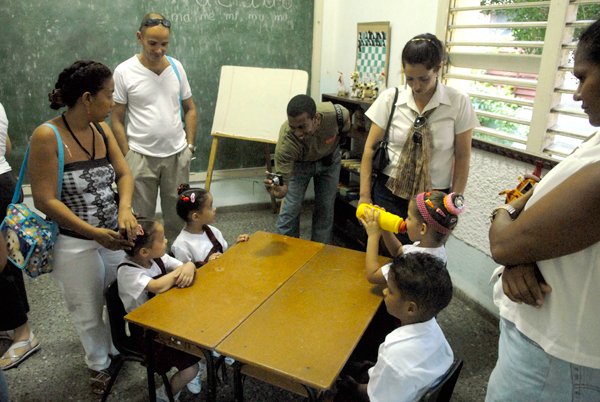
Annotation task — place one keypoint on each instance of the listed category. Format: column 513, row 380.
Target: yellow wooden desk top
column 227, row 290
column 307, row 330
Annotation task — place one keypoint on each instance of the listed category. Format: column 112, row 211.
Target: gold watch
column 509, row 208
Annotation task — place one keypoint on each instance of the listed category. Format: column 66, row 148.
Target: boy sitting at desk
column 416, row 355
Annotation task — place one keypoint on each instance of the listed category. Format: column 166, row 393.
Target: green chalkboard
column 44, row 36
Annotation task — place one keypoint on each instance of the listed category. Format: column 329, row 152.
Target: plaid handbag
column 30, row 238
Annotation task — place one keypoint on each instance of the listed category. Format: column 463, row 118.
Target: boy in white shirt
column 416, row 355
column 147, row 270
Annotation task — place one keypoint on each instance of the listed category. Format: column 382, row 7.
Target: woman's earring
column 88, row 110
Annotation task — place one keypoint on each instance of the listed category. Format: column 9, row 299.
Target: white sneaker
column 161, row 395
column 195, row 386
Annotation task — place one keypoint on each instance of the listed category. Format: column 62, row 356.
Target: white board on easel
column 251, row 105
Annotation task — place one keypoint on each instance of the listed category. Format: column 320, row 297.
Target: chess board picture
column 373, row 50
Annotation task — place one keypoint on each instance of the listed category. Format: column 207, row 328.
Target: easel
column 251, row 106
column 213, row 154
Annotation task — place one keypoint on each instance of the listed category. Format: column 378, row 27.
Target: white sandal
column 10, row 334
column 11, row 359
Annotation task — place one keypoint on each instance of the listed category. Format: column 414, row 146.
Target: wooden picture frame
column 372, row 50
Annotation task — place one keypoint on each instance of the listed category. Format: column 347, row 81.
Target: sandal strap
column 99, row 380
column 11, row 351
column 100, row 376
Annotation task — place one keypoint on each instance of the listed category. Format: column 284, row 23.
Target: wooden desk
column 306, row 331
column 226, row 291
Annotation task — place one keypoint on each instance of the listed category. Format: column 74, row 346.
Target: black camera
column 277, row 179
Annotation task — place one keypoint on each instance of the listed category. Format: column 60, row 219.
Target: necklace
column 93, row 155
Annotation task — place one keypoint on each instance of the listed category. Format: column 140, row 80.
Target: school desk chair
column 123, row 343
column 442, row 391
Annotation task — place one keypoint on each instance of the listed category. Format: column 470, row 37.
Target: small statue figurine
column 342, row 88
column 354, row 77
column 361, row 90
column 369, row 90
column 374, row 93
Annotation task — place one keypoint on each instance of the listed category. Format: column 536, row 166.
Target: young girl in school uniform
column 431, row 218
column 147, row 270
column 198, row 242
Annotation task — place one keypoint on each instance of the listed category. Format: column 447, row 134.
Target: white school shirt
column 155, row 127
column 567, row 324
column 454, row 114
column 4, row 166
column 411, row 360
column 439, row 252
column 133, row 280
column 195, row 247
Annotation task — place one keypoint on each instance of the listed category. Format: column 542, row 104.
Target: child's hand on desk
column 370, row 222
column 214, row 256
column 185, row 276
column 242, row 238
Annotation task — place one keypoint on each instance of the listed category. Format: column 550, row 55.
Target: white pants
column 82, row 269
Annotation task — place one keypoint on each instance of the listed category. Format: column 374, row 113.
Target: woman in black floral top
column 96, row 225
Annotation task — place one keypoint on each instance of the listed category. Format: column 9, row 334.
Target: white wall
column 338, row 53
column 469, row 260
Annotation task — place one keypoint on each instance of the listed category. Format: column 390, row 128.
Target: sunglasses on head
column 152, row 22
column 417, row 137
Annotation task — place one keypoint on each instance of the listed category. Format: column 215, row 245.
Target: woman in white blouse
column 430, row 133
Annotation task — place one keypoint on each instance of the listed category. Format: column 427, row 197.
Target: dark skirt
column 384, row 198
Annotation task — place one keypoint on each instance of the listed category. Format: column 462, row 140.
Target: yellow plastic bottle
column 387, row 221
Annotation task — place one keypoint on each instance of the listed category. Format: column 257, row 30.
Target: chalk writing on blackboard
column 250, row 11
column 286, row 4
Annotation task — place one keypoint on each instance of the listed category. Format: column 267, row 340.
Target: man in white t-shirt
column 159, row 141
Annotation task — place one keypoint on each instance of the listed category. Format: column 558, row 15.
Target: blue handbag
column 30, row 238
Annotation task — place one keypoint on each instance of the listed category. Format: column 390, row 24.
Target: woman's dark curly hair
column 80, row 77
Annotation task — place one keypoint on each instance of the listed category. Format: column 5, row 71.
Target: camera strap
column 339, row 115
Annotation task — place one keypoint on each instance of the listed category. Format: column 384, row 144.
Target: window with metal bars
column 515, row 59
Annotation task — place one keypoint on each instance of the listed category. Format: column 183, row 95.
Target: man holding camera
column 308, row 148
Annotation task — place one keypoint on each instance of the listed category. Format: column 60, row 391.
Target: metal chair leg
column 167, row 385
column 149, row 335
column 113, row 379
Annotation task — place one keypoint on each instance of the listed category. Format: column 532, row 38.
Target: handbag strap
column 178, row 79
column 61, row 166
column 387, row 129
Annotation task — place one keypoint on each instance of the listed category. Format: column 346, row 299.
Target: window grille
column 515, row 59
